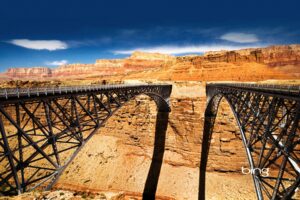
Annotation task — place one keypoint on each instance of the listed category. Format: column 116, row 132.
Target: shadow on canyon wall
column 210, row 118
column 157, row 157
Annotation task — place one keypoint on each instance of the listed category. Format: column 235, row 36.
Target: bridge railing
column 21, row 92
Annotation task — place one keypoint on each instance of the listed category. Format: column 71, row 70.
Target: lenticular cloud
column 50, row 45
column 240, row 37
column 57, row 62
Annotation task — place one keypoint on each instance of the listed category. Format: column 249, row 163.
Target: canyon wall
column 110, row 63
column 33, row 72
column 125, row 145
column 138, row 61
column 274, row 62
column 272, row 56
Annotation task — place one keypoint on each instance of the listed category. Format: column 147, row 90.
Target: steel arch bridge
column 43, row 129
column 268, row 119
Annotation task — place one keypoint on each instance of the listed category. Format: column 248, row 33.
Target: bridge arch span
column 211, row 112
column 268, row 118
column 42, row 130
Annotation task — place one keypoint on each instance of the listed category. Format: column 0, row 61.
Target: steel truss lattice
column 268, row 119
column 43, row 129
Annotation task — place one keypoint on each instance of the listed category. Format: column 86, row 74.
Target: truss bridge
column 268, row 120
column 43, row 129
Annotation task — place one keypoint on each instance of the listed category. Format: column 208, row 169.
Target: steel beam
column 268, row 119
column 47, row 123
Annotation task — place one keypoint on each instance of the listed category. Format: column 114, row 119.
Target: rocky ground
column 219, row 186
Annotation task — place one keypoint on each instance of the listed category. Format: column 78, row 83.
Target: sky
column 55, row 32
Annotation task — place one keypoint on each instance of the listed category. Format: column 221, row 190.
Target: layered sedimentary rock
column 138, row 61
column 110, row 63
column 274, row 62
column 150, row 56
column 284, row 59
column 101, row 67
column 73, row 69
column 29, row 72
column 272, row 56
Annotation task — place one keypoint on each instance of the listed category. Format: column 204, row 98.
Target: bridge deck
column 7, row 93
column 43, row 129
column 274, row 89
column 37, row 91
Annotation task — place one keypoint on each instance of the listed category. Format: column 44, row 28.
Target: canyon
column 118, row 157
column 138, row 61
column 274, row 62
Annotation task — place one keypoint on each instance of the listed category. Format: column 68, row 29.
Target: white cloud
column 57, row 62
column 240, row 37
column 50, row 45
column 175, row 50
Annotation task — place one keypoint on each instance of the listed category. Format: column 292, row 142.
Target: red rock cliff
column 272, row 56
column 274, row 62
column 29, row 72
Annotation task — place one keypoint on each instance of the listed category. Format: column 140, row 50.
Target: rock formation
column 274, row 62
column 272, row 56
column 138, row 55
column 109, row 63
column 29, row 72
column 103, row 67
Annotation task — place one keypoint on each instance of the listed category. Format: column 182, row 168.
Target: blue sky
column 49, row 33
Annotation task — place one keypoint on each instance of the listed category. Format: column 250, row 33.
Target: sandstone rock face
column 109, row 63
column 266, row 55
column 272, row 56
column 103, row 67
column 274, row 62
column 150, row 56
column 73, row 69
column 119, row 156
column 140, row 61
column 83, row 70
column 29, row 72
column 282, row 55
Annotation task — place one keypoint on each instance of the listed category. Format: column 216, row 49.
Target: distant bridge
column 43, row 129
column 268, row 119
